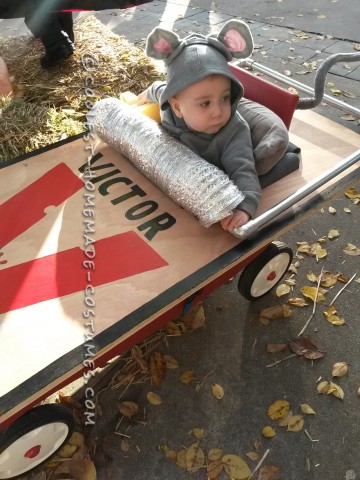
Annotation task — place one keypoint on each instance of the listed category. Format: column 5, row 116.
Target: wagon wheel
column 261, row 275
column 33, row 438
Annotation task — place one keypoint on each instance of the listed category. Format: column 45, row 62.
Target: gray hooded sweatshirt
column 231, row 148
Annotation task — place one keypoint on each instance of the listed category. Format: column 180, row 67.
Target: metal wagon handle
column 320, row 78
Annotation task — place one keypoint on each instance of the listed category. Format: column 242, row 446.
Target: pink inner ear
column 234, row 41
column 162, row 46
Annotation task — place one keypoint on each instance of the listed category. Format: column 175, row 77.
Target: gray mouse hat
column 195, row 57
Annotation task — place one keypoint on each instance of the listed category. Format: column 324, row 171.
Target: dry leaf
column 336, row 390
column 215, row 454
column 330, row 316
column 323, row 387
column 77, row 439
column 67, row 451
column 253, row 456
column 283, row 422
column 157, row 368
column 214, row 469
column 153, row 398
column 128, row 409
column 187, row 376
column 305, row 347
column 137, row 355
column 181, row 458
column 269, row 472
column 339, row 369
column 194, row 318
column 268, row 432
column 297, row 302
column 312, row 277
column 305, row 408
column 328, row 279
column 169, row 452
column 217, row 391
column 347, row 210
column 313, row 293
column 236, row 467
column 282, row 289
column 351, row 249
column 276, row 312
column 333, row 233
column 198, row 433
column 352, row 193
column 81, row 467
column 172, row 329
column 170, row 362
column 295, row 423
column 195, row 457
column 276, row 347
column 124, row 445
column 332, row 210
column 278, row 409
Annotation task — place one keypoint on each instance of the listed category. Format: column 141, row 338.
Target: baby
column 200, row 106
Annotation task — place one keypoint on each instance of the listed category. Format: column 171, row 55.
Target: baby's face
column 205, row 106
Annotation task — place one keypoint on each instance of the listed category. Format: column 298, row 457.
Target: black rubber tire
column 252, row 272
column 35, row 418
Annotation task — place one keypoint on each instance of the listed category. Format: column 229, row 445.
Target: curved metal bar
column 253, row 226
column 320, row 77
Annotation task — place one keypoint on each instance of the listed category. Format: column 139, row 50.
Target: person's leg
column 66, row 22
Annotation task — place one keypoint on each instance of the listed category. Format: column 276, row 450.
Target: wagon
column 91, row 265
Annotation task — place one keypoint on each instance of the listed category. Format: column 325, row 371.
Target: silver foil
column 189, row 180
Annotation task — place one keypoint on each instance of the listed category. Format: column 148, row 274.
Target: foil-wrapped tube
column 192, row 182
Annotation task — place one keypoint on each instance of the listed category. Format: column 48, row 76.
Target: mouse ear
column 237, row 38
column 161, row 43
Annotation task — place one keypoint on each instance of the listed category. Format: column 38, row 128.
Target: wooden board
column 150, row 255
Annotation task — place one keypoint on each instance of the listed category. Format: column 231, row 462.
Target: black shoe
column 56, row 53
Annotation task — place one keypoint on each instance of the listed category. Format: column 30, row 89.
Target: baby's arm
column 142, row 98
column 152, row 94
column 237, row 219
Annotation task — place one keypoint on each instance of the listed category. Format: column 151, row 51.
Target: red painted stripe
column 27, row 207
column 54, row 276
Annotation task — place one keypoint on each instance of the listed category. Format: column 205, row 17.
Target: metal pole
column 253, row 226
column 298, row 85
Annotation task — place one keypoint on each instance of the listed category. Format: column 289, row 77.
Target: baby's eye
column 226, row 98
column 205, row 104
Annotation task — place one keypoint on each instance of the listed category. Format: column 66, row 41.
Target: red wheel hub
column 33, row 452
column 271, row 276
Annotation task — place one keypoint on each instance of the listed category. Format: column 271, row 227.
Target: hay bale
column 52, row 103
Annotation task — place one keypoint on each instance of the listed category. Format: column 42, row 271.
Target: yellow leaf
column 67, row 451
column 82, row 468
column 351, row 249
column 128, row 409
column 217, row 391
column 328, row 279
column 171, row 362
column 333, row 233
column 352, row 193
column 336, row 390
column 187, row 376
column 77, row 439
column 278, row 409
column 215, row 454
column 214, row 469
column 312, row 277
column 313, row 293
column 194, row 318
column 253, row 456
column 282, row 289
column 323, row 387
column 297, row 302
column 157, row 368
column 169, row 453
column 194, row 457
column 268, row 432
column 172, row 329
column 305, row 408
column 236, row 467
column 335, row 320
column 339, row 369
column 284, row 422
column 296, row 423
column 153, row 398
column 181, row 458
column 198, row 433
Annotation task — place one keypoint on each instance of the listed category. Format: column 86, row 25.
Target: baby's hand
column 142, row 99
column 235, row 220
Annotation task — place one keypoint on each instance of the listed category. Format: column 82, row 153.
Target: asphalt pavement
column 230, row 349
